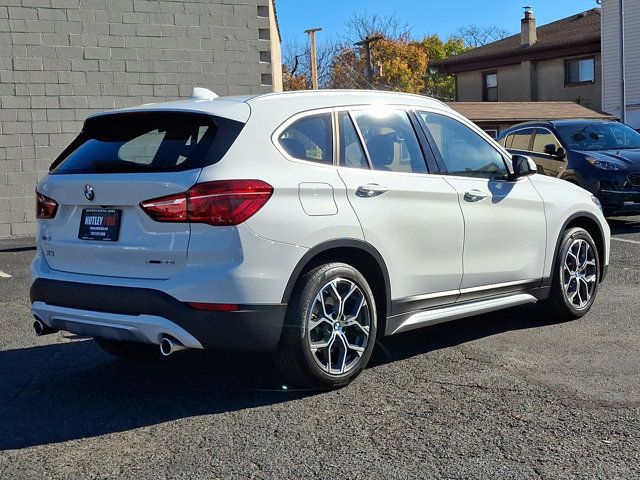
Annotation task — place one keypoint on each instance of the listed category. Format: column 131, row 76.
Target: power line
column 355, row 82
column 369, row 84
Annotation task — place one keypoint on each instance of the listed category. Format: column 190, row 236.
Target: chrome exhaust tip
column 169, row 346
column 40, row 328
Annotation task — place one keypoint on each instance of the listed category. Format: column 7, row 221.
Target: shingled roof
column 505, row 112
column 575, row 35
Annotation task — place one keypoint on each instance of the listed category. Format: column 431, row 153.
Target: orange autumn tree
column 399, row 65
column 399, row 62
column 402, row 65
column 292, row 81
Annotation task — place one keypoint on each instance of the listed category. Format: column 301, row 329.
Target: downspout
column 623, row 83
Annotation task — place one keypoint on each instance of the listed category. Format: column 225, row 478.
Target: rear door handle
column 371, row 190
column 475, row 195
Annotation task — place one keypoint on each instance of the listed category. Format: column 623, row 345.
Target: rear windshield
column 147, row 142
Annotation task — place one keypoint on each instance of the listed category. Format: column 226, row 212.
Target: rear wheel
column 576, row 276
column 129, row 351
column 330, row 328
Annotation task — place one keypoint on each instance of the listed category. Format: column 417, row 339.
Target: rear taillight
column 220, row 203
column 46, row 207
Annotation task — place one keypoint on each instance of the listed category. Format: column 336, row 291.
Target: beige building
column 559, row 61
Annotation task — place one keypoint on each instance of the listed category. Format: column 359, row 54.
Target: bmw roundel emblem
column 89, row 192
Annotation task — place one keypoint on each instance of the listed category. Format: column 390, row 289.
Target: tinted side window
column 506, row 141
column 509, row 142
column 544, row 137
column 522, row 139
column 391, row 141
column 351, row 151
column 464, row 152
column 310, row 138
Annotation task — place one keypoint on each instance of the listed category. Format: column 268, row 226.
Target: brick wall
column 61, row 60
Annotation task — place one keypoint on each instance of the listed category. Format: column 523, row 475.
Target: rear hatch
column 98, row 183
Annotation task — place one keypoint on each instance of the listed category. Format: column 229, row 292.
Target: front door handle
column 371, row 190
column 475, row 195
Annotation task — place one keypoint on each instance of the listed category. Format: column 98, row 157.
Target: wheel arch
column 590, row 223
column 357, row 253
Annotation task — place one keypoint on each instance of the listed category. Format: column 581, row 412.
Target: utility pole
column 367, row 45
column 623, row 81
column 314, row 61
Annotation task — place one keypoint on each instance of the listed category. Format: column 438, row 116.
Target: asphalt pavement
column 504, row 396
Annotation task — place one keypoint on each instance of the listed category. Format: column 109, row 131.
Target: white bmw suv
column 307, row 224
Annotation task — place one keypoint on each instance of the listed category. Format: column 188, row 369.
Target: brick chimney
column 528, row 34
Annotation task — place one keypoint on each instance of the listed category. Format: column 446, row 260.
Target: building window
column 580, row 71
column 490, row 86
column 492, row 132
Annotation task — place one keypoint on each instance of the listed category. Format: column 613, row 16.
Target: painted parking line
column 625, row 240
column 4, row 275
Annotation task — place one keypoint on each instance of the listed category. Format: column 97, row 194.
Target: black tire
column 293, row 356
column 129, row 351
column 558, row 304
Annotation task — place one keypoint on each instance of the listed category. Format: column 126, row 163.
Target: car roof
column 287, row 103
column 580, row 121
column 553, row 123
column 329, row 98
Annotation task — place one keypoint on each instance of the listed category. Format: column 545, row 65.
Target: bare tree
column 296, row 58
column 293, row 53
column 367, row 24
column 347, row 65
column 476, row 36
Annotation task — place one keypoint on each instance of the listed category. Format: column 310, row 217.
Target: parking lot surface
column 507, row 395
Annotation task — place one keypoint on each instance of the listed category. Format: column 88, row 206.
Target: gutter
column 517, row 56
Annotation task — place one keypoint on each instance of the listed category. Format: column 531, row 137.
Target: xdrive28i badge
column 89, row 192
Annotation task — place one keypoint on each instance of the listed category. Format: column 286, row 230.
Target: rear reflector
column 214, row 307
column 46, row 207
column 220, row 203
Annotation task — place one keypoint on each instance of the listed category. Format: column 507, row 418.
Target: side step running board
column 454, row 312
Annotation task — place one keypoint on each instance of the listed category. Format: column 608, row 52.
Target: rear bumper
column 145, row 315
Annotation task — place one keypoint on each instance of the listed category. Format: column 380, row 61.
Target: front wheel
column 330, row 328
column 576, row 276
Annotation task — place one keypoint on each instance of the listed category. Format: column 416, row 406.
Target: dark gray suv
column 600, row 156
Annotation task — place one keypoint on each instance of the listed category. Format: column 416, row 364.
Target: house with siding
column 559, row 61
column 611, row 59
column 62, row 60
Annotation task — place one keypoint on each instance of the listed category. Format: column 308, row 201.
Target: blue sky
column 425, row 16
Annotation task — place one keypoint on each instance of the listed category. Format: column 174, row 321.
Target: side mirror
column 523, row 166
column 560, row 153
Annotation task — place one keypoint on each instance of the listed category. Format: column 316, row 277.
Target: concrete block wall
column 61, row 60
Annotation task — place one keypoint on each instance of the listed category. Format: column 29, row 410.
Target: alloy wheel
column 338, row 326
column 579, row 273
